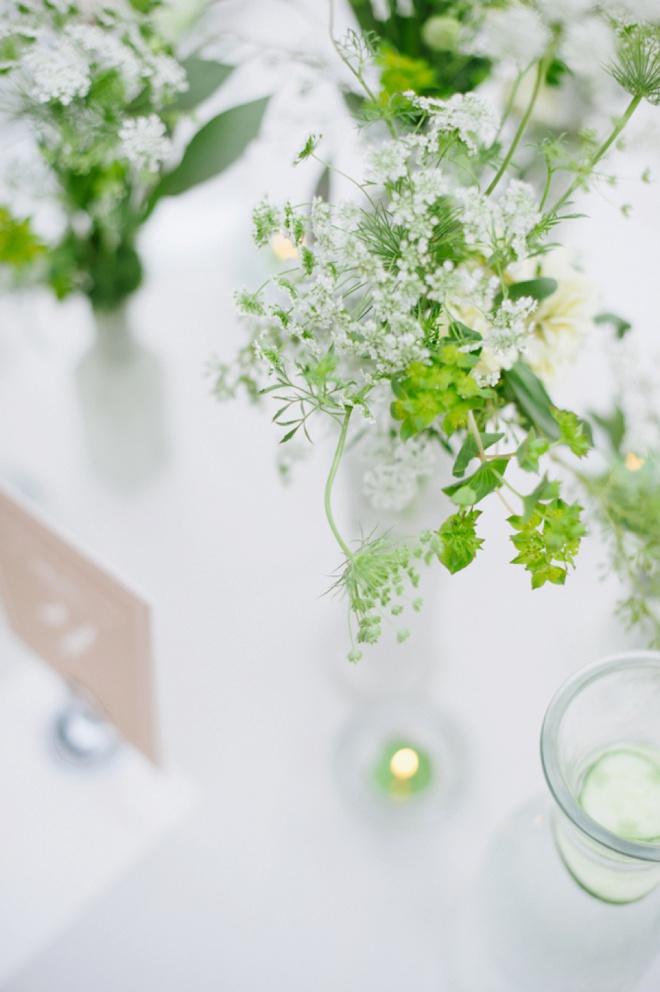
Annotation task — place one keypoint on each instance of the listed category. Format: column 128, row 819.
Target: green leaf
column 204, row 78
column 548, row 573
column 464, row 496
column 531, row 450
column 462, row 334
column 213, row 149
column 548, row 540
column 539, row 289
column 546, row 490
column 354, row 102
column 487, row 478
column 308, row 148
column 614, row 426
column 529, row 393
column 323, row 185
column 620, row 325
column 19, row 246
column 470, row 450
column 459, row 541
column 573, row 432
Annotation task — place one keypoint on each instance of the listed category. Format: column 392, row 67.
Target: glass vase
column 121, row 389
column 568, row 899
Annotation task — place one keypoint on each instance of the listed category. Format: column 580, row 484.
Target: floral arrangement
column 430, row 312
column 100, row 91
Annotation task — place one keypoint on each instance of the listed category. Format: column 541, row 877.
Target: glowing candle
column 403, row 770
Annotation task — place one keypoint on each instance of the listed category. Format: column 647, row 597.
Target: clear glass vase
column 121, row 389
column 568, row 898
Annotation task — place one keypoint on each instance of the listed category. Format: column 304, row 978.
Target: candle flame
column 283, row 248
column 404, row 763
column 633, row 462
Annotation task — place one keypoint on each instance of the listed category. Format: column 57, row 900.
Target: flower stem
column 331, row 478
column 593, row 162
column 522, row 127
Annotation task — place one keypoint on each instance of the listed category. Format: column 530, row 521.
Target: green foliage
column 620, row 325
column 539, row 289
column 204, row 78
column 470, row 450
column 444, row 388
column 637, row 64
column 547, row 540
column 459, row 541
column 308, row 148
column 627, row 506
column 214, row 148
column 19, row 246
column 421, row 53
column 614, row 426
column 374, row 579
column 487, row 478
column 530, row 395
column 573, row 432
column 399, row 73
column 531, row 450
column 106, row 272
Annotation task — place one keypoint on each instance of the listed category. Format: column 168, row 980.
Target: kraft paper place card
column 69, row 609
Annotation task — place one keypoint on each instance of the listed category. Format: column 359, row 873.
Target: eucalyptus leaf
column 213, row 149
column 204, row 78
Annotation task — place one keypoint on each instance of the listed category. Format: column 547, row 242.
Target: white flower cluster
column 144, row 142
column 378, row 286
column 59, row 70
column 396, row 469
column 510, row 220
column 584, row 30
column 62, row 61
column 470, row 117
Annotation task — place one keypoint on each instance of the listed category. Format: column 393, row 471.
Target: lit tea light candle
column 283, row 249
column 633, row 462
column 402, row 770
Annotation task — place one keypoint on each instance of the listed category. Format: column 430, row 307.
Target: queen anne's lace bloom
column 59, row 70
column 144, row 142
column 396, row 469
column 472, row 119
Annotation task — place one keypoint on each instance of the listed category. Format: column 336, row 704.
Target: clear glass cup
column 568, row 897
column 607, row 717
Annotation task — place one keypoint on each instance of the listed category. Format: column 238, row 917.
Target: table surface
column 272, row 881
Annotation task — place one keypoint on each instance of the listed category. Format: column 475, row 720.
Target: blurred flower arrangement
column 101, row 92
column 432, row 310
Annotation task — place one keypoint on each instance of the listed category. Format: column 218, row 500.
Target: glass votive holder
column 399, row 761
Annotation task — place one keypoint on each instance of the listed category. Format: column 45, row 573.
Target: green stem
column 522, row 127
column 358, row 75
column 593, row 162
column 331, row 478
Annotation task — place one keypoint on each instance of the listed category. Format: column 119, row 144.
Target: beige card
column 81, row 620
